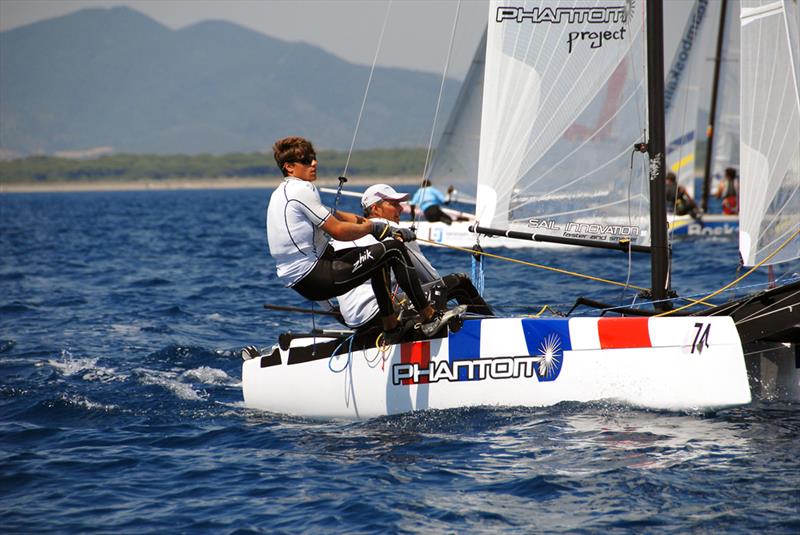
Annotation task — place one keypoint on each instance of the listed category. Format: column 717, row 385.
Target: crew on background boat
column 430, row 200
column 358, row 307
column 678, row 199
column 298, row 231
column 728, row 191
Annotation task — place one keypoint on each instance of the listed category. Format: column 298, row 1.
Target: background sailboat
column 682, row 93
column 723, row 144
column 455, row 161
column 704, row 129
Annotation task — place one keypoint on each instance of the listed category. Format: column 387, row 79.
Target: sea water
column 121, row 319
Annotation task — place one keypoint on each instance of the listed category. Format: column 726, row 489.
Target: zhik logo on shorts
column 362, row 257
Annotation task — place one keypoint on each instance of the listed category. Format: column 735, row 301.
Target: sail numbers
column 701, row 337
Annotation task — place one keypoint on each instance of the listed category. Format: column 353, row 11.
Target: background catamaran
column 660, row 362
column 711, row 33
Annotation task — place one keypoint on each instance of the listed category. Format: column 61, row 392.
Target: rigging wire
column 557, row 270
column 426, row 169
column 531, row 264
column 736, row 281
column 366, row 90
column 630, row 223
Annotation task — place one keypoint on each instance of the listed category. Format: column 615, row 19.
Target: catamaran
column 543, row 57
column 703, row 39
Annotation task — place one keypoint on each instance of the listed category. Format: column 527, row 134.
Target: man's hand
column 404, row 234
column 380, row 230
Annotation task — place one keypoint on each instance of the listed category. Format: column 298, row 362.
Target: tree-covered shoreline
column 135, row 167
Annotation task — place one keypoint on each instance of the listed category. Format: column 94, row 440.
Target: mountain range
column 113, row 79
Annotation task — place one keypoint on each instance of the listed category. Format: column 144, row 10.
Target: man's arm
column 348, row 217
column 346, row 230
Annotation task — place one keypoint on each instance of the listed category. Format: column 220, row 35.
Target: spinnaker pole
column 656, row 147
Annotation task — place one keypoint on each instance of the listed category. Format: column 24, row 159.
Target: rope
column 532, row 264
column 544, row 309
column 342, row 180
column 477, row 269
column 738, row 279
column 366, row 91
column 334, row 356
column 557, row 270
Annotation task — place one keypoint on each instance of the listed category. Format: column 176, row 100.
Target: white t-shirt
column 358, row 306
column 294, row 216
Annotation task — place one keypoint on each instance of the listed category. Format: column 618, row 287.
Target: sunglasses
column 306, row 160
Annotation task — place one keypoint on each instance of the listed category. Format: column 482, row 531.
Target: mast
column 712, row 115
column 656, row 147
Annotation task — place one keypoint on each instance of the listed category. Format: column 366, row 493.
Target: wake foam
column 70, row 366
column 209, row 376
column 170, row 381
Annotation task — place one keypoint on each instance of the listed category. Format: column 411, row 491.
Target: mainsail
column 688, row 95
column 455, row 162
column 725, row 150
column 564, row 103
column 682, row 91
column 770, row 120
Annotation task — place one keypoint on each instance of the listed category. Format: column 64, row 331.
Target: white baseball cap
column 381, row 192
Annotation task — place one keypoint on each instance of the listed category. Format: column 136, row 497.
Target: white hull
column 658, row 363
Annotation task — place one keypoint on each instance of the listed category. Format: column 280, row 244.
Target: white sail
column 726, row 130
column 564, row 103
column 687, row 94
column 770, row 130
column 682, row 91
column 455, row 162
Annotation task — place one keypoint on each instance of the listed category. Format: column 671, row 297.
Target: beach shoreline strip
column 182, row 183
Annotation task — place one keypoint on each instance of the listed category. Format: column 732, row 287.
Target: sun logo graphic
column 550, row 356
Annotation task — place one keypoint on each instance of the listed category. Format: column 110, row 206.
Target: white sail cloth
column 564, row 103
column 770, row 118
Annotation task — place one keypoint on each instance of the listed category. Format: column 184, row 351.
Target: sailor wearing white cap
column 381, row 203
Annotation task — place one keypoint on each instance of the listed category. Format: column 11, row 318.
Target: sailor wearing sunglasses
column 299, row 228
